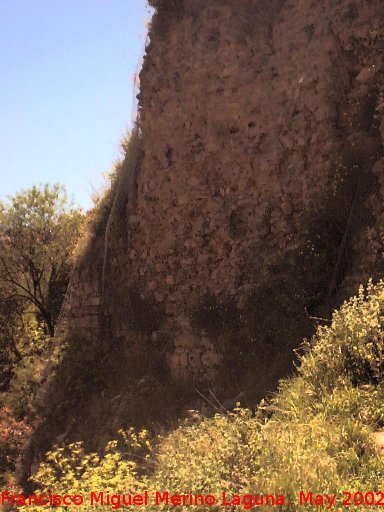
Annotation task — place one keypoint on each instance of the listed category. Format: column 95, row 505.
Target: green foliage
column 73, row 471
column 315, row 434
column 11, row 314
column 39, row 229
column 355, row 340
column 32, row 344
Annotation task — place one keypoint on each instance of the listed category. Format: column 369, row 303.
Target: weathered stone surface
column 246, row 110
column 366, row 74
column 253, row 115
column 249, row 119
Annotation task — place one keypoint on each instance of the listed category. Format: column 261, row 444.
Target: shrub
column 351, row 350
column 13, row 435
column 71, row 470
column 313, row 435
column 32, row 345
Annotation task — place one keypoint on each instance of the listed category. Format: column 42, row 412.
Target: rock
column 183, row 361
column 194, row 360
column 211, row 359
column 159, row 297
column 206, row 343
column 366, row 74
column 287, row 208
column 174, row 360
column 95, row 301
column 182, row 200
column 194, row 182
column 378, row 167
column 169, row 280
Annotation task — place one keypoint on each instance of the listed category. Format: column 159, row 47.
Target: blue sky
column 66, row 90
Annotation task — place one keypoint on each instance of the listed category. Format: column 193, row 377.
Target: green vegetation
column 39, row 229
column 314, row 434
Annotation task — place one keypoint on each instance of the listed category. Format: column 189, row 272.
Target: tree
column 11, row 314
column 39, row 229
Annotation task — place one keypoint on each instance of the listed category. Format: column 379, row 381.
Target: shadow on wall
column 119, row 376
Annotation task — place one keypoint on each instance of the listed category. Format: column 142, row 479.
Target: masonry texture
column 251, row 113
column 252, row 195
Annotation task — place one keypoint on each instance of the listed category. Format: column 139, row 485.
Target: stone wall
column 250, row 202
column 253, row 116
column 241, row 107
